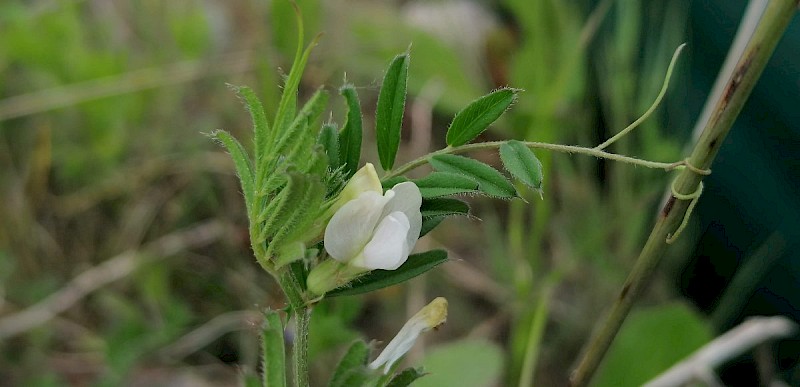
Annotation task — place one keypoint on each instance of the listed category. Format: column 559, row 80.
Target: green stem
column 770, row 28
column 538, row 323
column 535, row 145
column 300, row 350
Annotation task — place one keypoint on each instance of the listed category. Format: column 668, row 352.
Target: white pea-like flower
column 375, row 231
column 429, row 317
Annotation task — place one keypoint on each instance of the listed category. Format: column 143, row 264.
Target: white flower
column 375, row 231
column 429, row 317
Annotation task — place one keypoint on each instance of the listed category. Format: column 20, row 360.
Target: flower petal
column 351, row 227
column 365, row 179
column 408, row 200
column 429, row 317
column 388, row 249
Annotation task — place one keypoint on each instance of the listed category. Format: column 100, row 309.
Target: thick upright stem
column 769, row 31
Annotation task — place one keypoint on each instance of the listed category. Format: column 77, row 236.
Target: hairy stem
column 748, row 69
column 300, row 349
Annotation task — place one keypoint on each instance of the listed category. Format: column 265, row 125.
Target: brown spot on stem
column 738, row 75
column 668, row 206
column 712, row 144
column 625, row 290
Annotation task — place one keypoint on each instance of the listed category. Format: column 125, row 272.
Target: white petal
column 388, row 248
column 408, row 200
column 365, row 179
column 351, row 227
column 399, row 345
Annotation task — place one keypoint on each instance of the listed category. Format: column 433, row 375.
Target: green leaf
column 298, row 130
column 242, row 164
column 272, row 348
column 429, row 223
column 354, row 359
column 260, row 124
column 274, row 211
column 301, row 214
column 328, row 138
column 406, row 377
column 439, row 184
column 490, row 181
column 520, row 161
column 443, row 207
column 464, row 363
column 350, row 136
column 681, row 331
column 377, row 279
column 478, row 115
column 389, row 113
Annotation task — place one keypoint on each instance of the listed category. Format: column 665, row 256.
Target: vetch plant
column 323, row 227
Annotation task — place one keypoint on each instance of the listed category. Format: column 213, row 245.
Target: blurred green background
column 105, row 169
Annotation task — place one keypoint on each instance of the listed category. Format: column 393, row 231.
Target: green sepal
column 289, row 253
column 522, row 163
column 389, row 112
column 490, row 181
column 377, row 279
column 351, row 135
column 478, row 115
